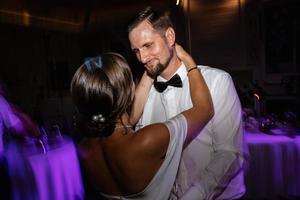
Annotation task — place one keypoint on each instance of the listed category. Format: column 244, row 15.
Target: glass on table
column 51, row 136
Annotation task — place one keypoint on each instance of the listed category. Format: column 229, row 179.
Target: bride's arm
column 140, row 97
column 202, row 110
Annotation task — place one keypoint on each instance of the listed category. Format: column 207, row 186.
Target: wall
column 215, row 33
column 239, row 37
column 36, row 65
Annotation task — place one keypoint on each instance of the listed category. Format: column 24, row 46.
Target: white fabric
column 274, row 171
column 214, row 158
column 161, row 185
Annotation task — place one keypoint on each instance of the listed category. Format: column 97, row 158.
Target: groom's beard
column 160, row 67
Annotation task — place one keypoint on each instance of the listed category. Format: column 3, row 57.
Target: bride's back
column 125, row 162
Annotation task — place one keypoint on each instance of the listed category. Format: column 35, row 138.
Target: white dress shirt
column 212, row 165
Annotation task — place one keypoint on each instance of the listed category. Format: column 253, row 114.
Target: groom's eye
column 148, row 45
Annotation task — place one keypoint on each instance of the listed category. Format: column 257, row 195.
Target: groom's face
column 150, row 47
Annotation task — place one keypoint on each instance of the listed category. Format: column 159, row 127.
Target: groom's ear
column 170, row 36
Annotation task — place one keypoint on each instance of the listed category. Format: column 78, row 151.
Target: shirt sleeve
column 7, row 114
column 11, row 122
column 8, row 120
column 227, row 141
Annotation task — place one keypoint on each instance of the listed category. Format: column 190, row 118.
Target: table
column 274, row 169
column 44, row 171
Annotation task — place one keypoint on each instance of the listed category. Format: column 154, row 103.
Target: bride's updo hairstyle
column 102, row 90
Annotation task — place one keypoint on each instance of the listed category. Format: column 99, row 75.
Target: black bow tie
column 174, row 81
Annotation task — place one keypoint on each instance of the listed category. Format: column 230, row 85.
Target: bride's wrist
column 190, row 69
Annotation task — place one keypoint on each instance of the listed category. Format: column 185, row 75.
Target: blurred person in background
column 14, row 124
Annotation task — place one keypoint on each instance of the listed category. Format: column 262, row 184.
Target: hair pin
column 93, row 63
column 98, row 118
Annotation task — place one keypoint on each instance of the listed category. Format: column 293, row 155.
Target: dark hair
column 101, row 90
column 158, row 19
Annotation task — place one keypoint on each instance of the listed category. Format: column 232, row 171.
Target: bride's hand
column 185, row 57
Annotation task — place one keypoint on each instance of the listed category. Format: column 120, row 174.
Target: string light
column 177, row 2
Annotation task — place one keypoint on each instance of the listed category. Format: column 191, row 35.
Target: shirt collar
column 181, row 71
